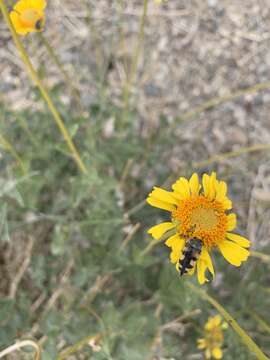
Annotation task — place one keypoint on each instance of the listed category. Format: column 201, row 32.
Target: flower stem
column 251, row 345
column 230, row 154
column 259, row 255
column 154, row 242
column 262, row 323
column 8, row 147
column 74, row 348
column 58, row 63
column 223, row 99
column 135, row 60
column 42, row 89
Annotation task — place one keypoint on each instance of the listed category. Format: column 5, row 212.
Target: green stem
column 154, row 242
column 42, row 89
column 135, row 59
column 58, row 63
column 74, row 348
column 262, row 323
column 259, row 255
column 246, row 339
column 8, row 147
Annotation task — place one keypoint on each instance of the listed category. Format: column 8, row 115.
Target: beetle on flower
column 28, row 16
column 201, row 212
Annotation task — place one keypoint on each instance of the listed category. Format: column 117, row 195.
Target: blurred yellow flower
column 28, row 16
column 213, row 337
column 199, row 221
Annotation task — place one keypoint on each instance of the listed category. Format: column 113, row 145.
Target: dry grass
column 193, row 51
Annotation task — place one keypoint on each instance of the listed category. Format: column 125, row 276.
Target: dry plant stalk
column 20, row 344
column 18, row 277
column 43, row 90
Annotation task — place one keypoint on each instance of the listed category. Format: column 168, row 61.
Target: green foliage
column 88, row 284
column 84, row 279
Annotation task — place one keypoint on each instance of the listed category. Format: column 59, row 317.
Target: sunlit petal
column 201, row 268
column 194, row 184
column 233, row 253
column 217, row 353
column 240, row 240
column 158, row 230
column 160, row 204
column 163, row 195
column 206, row 257
column 231, row 222
column 206, row 184
column 182, row 187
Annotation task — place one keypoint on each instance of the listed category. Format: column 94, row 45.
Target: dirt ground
column 192, row 51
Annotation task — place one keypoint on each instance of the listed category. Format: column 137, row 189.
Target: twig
column 15, row 283
column 129, row 236
column 222, row 99
column 230, row 154
column 21, row 344
column 8, row 147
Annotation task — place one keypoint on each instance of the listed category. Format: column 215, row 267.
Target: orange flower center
column 30, row 17
column 202, row 218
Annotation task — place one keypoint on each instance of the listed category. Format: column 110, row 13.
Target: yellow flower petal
column 182, row 188
column 206, row 257
column 21, row 5
column 174, row 256
column 231, row 222
column 206, row 184
column 212, row 186
column 163, row 195
column 173, row 241
column 240, row 240
column 160, row 204
column 227, row 204
column 38, row 4
column 233, row 253
column 158, row 230
column 20, row 29
column 203, row 263
column 216, row 320
column 201, row 343
column 30, row 4
column 201, row 268
column 221, row 190
column 194, row 184
column 177, row 248
column 217, row 353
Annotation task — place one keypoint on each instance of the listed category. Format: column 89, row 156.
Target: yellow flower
column 199, row 211
column 28, row 16
column 213, row 337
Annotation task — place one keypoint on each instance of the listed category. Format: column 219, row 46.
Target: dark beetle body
column 190, row 255
column 39, row 24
